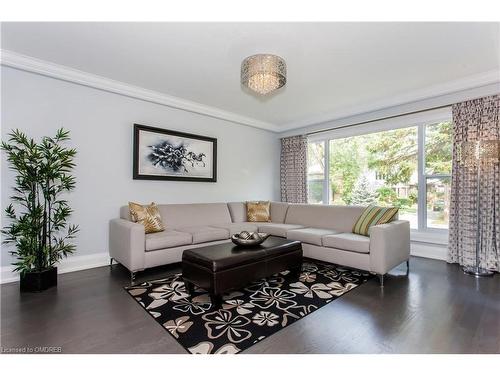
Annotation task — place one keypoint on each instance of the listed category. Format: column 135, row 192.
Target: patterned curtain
column 475, row 120
column 293, row 171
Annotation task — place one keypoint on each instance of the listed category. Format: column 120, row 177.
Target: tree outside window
column 382, row 168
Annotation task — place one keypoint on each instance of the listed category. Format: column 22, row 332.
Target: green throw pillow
column 373, row 215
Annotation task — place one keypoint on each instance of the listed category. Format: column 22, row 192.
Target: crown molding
column 49, row 69
column 489, row 78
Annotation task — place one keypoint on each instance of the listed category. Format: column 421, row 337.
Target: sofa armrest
column 127, row 243
column 389, row 245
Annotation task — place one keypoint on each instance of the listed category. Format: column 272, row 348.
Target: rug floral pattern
column 246, row 316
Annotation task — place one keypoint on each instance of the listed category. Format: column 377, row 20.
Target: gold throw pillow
column 258, row 211
column 149, row 216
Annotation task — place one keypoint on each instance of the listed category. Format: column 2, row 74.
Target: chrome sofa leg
column 407, row 266
column 132, row 277
column 381, row 280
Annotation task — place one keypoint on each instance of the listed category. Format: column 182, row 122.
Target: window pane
column 378, row 168
column 438, row 202
column 408, row 205
column 347, row 163
column 315, row 171
column 438, row 148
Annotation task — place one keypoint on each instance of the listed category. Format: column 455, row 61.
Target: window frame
column 422, row 180
column 325, row 158
column 422, row 203
column 420, row 121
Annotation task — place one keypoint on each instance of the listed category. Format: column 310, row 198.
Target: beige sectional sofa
column 325, row 233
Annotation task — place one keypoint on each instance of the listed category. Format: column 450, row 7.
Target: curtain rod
column 379, row 119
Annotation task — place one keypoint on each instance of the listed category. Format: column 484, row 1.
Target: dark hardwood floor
column 435, row 309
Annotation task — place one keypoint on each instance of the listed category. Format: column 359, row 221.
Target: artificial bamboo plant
column 37, row 213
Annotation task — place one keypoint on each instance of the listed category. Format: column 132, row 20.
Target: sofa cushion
column 348, row 241
column 194, row 214
column 278, row 211
column 237, row 227
column 341, row 218
column 190, row 214
column 277, row 229
column 238, row 211
column 125, row 213
column 167, row 239
column 205, row 233
column 310, row 235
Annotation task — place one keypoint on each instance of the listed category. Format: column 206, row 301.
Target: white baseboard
column 83, row 262
column 70, row 264
column 427, row 250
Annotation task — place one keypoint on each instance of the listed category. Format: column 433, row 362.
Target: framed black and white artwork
column 161, row 154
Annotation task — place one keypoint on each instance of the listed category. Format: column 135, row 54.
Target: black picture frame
column 136, row 155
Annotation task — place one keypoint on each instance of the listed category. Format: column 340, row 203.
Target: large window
column 406, row 167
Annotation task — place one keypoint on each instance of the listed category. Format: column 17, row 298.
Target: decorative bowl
column 249, row 238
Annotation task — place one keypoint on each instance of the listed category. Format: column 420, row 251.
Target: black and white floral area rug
column 246, row 316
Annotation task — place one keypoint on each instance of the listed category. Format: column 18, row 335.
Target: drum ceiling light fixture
column 263, row 73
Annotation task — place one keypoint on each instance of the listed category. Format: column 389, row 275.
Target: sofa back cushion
column 239, row 211
column 341, row 218
column 187, row 215
column 278, row 211
column 125, row 213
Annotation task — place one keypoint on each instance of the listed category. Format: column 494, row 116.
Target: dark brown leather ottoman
column 222, row 267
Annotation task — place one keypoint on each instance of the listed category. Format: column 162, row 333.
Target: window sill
column 438, row 237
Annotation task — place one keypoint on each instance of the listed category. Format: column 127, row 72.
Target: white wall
column 101, row 129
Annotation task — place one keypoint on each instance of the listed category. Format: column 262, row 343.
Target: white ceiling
column 332, row 67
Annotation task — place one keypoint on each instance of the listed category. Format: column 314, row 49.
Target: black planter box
column 38, row 281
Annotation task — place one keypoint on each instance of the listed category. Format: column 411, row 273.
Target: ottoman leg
column 216, row 300
column 189, row 287
column 295, row 272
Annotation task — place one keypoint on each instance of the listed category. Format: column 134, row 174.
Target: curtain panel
column 475, row 120
column 293, row 169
